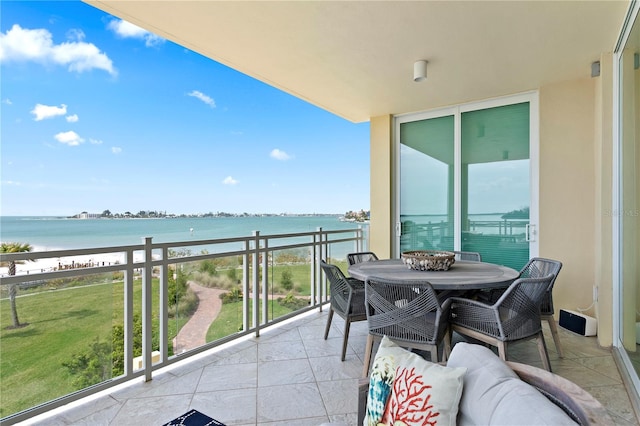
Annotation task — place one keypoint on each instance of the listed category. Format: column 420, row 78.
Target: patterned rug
column 193, row 418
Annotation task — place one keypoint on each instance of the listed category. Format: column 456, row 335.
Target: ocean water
column 55, row 233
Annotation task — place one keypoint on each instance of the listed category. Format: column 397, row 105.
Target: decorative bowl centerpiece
column 428, row 260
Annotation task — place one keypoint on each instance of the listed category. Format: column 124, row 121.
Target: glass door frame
column 617, row 204
column 534, row 142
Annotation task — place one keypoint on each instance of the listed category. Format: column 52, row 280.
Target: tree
column 13, row 288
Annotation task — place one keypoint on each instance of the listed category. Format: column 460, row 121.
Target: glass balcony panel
column 62, row 335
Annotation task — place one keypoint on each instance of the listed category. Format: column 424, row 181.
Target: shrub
column 220, row 281
column 292, row 302
column 208, row 267
column 286, row 279
column 232, row 296
column 186, row 305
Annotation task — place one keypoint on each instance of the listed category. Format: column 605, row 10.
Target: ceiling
column 355, row 58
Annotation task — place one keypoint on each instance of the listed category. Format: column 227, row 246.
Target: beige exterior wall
column 575, row 191
column 380, row 228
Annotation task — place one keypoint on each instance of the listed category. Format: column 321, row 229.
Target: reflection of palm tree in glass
column 13, row 288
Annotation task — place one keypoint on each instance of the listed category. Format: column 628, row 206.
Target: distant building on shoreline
column 85, row 215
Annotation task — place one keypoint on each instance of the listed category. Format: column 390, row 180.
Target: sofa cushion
column 495, row 395
column 404, row 387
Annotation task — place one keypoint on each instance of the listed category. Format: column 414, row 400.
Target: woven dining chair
column 468, row 255
column 408, row 313
column 513, row 317
column 347, row 300
column 359, row 257
column 537, row 267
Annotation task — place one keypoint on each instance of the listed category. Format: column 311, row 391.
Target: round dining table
column 462, row 275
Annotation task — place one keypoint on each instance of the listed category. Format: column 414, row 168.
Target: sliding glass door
column 427, row 184
column 465, row 180
column 626, row 213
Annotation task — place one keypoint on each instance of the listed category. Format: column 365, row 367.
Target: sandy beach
column 71, row 262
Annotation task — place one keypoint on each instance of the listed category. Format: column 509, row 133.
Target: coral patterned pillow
column 405, row 389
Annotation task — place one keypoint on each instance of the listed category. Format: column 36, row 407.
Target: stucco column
column 381, row 221
column 604, row 182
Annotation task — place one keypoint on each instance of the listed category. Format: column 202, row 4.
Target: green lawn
column 61, row 323
column 300, row 274
column 230, row 319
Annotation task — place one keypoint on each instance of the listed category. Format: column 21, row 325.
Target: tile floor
column 291, row 376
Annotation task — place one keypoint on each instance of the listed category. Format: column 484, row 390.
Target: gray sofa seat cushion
column 495, row 395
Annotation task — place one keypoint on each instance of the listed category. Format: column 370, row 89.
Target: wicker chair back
column 365, row 256
column 404, row 311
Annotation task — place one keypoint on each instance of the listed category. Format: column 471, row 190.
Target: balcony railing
column 79, row 327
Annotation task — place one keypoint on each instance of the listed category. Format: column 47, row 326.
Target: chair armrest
column 469, row 302
column 575, row 401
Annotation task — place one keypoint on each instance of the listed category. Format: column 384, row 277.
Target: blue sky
column 98, row 114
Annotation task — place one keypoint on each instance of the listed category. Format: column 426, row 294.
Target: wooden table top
column 462, row 275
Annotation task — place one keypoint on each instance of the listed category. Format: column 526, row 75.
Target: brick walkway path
column 194, row 332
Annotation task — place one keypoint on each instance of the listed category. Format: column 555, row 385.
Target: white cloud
column 95, row 141
column 280, row 155
column 229, row 181
column 204, row 98
column 70, row 138
column 116, row 149
column 126, row 29
column 23, row 45
column 43, row 112
column 76, row 34
column 7, row 101
column 72, row 118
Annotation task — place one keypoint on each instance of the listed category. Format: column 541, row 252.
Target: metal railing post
column 256, row 282
column 245, row 285
column 147, row 328
column 265, row 282
column 128, row 312
column 313, row 262
column 164, row 304
column 321, row 286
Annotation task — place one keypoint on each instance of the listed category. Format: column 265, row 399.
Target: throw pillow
column 406, row 389
column 495, row 395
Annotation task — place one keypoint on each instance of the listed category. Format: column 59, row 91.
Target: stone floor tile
column 615, row 399
column 340, row 396
column 229, row 406
column 333, row 368
column 273, row 373
column 275, row 351
column 158, row 410
column 234, row 376
column 289, row 402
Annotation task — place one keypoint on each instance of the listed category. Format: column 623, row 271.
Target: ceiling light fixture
column 420, row 71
